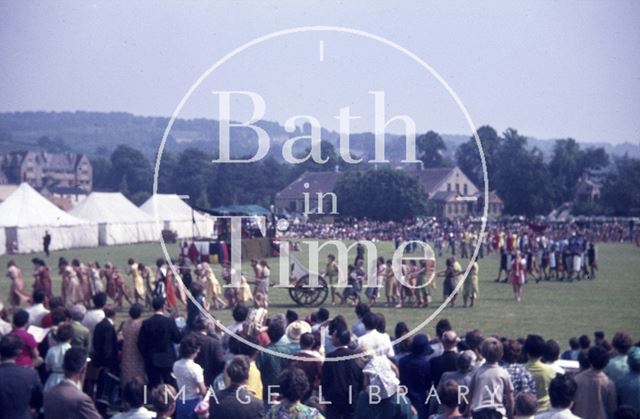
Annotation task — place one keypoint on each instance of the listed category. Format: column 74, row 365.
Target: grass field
column 556, row 310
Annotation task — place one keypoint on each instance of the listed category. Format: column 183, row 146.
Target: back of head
column 293, row 384
column 291, row 316
column 307, row 341
column 448, row 393
column 20, row 318
column 74, row 361
column 10, row 346
column 188, row 347
column 525, row 404
column 491, row 350
column 276, row 329
column 64, row 333
column 38, row 296
column 370, row 321
column 323, row 315
column 158, row 303
column 362, row 309
column 240, row 313
column 442, row 326
column 622, row 342
column 133, row 393
column 574, row 344
column 598, row 357
column 100, row 300
column 135, row 311
column 163, row 399
column 238, row 369
column 551, row 351
column 110, row 312
column 633, row 359
column 512, row 351
column 584, row 342
column 343, row 337
column 562, row 390
column 535, row 346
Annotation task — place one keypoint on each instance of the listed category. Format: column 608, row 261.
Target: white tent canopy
column 175, row 214
column 119, row 220
column 26, row 215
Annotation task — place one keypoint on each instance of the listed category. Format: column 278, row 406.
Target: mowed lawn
column 557, row 310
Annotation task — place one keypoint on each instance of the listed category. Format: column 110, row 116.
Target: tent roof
column 242, row 210
column 109, row 207
column 170, row 207
column 25, row 207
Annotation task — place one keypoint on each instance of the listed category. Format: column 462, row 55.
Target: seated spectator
column 37, row 311
column 163, row 400
column 520, row 377
column 415, row 373
column 542, row 374
column 29, row 357
column 55, row 356
column 526, row 405
column 596, row 395
column 562, row 391
column 20, row 388
column 628, row 386
column 448, row 393
column 80, row 332
column 571, row 354
column 373, row 340
column 134, row 397
column 447, row 361
column 270, row 365
column 66, row 400
column 292, row 387
column 189, row 377
column 235, row 401
column 380, row 399
column 617, row 366
column 491, row 390
column 551, row 355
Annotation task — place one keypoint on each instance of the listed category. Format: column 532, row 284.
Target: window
column 457, row 187
column 292, row 206
column 464, row 187
column 448, row 187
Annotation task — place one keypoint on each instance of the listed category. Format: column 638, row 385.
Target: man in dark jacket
column 235, row 401
column 105, row 343
column 341, row 380
column 20, row 387
column 211, row 356
column 415, row 373
column 447, row 361
column 157, row 335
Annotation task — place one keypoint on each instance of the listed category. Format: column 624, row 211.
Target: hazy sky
column 551, row 69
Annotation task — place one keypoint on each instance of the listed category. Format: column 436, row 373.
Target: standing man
column 157, row 335
column 20, row 387
column 46, row 242
column 66, row 400
column 105, row 354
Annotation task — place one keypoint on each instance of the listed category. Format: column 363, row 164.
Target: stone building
column 41, row 169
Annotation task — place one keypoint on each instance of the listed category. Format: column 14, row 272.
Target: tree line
column 529, row 182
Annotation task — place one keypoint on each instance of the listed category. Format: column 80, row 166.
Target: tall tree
column 621, row 191
column 384, row 194
column 522, row 179
column 431, row 148
column 468, row 156
column 568, row 163
column 131, row 168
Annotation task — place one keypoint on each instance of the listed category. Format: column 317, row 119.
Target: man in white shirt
column 37, row 311
column 379, row 343
column 95, row 316
column 562, row 390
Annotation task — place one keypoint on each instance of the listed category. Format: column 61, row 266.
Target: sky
column 551, row 69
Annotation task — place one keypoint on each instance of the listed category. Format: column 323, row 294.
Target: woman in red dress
column 517, row 275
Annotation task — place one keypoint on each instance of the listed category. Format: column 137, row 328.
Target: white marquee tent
column 175, row 214
column 119, row 220
column 25, row 216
